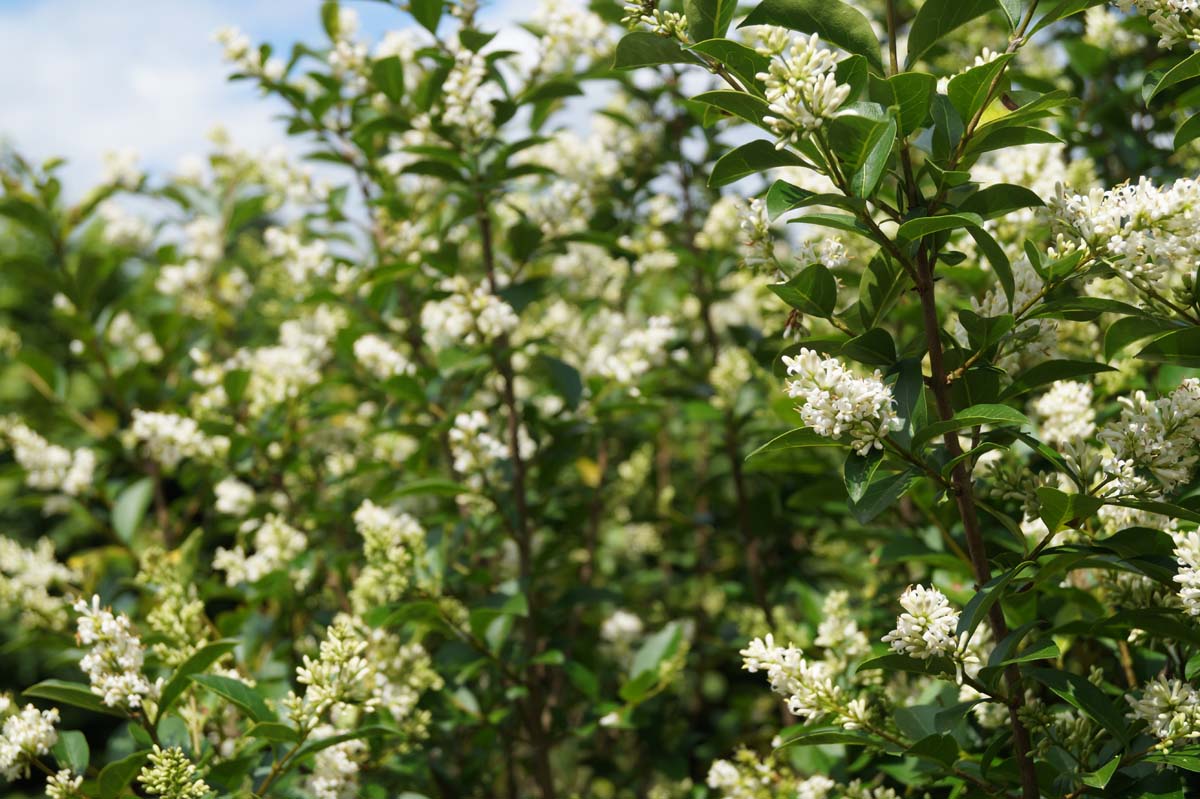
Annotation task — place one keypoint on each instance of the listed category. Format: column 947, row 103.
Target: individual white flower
column 26, row 733
column 1065, row 412
column 114, row 660
column 1170, row 708
column 801, row 89
column 234, row 498
column 837, row 403
column 172, row 775
column 928, row 627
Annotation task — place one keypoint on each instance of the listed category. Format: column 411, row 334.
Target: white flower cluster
column 470, row 315
column 64, row 785
column 1104, row 29
column 172, row 775
column 29, row 579
column 122, row 228
column 475, row 448
column 392, row 544
column 26, row 733
column 247, row 58
column 1149, row 234
column 467, row 95
column 303, row 261
column 380, row 358
column 758, row 241
column 722, row 227
column 124, row 332
column 1170, row 708
column 734, row 368
column 1031, row 341
column 807, row 686
column 276, row 545
column 1065, row 413
column 622, row 628
column 1175, row 21
column 1156, row 436
column 234, row 498
column 121, row 169
column 48, row 467
column 335, row 768
column 671, row 24
column 837, row 403
column 747, row 779
column 1187, row 553
column 114, row 661
column 340, row 674
column 170, row 438
column 928, row 627
column 625, row 352
column 347, row 57
column 570, row 33
column 801, row 89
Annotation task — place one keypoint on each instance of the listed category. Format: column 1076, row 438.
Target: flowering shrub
column 467, row 463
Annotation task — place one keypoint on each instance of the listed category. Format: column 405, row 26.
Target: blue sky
column 78, row 77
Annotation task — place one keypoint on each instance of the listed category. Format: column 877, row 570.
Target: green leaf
column 947, row 127
column 1063, row 10
column 582, row 679
column 427, row 13
column 832, row 20
column 983, row 600
column 645, row 49
column 372, row 731
column 863, row 143
column 1186, row 69
column 431, row 486
column 938, row 747
column 922, row 226
column 198, row 662
column 881, row 495
column 1124, row 332
column 994, row 415
column 130, row 508
column 656, row 649
column 874, row 348
column 813, row 291
column 969, row 91
column 799, row 438
column 1050, row 372
column 912, row 93
column 388, row 76
column 1085, row 697
column 1100, row 777
column 115, row 777
column 1179, row 347
column 823, row 736
column 708, row 18
column 858, row 472
column 1000, row 199
column 746, row 106
column 274, row 731
column 936, row 18
column 76, row 694
column 71, row 751
column 744, row 62
column 749, row 159
column 1057, row 508
column 565, row 379
column 248, row 699
column 999, row 138
column 783, row 197
column 1188, row 131
column 932, row 667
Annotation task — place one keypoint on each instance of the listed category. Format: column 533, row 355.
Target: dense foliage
column 522, row 449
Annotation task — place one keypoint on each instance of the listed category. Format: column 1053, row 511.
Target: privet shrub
column 465, row 465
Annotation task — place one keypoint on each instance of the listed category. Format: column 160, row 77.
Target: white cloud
column 78, row 78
